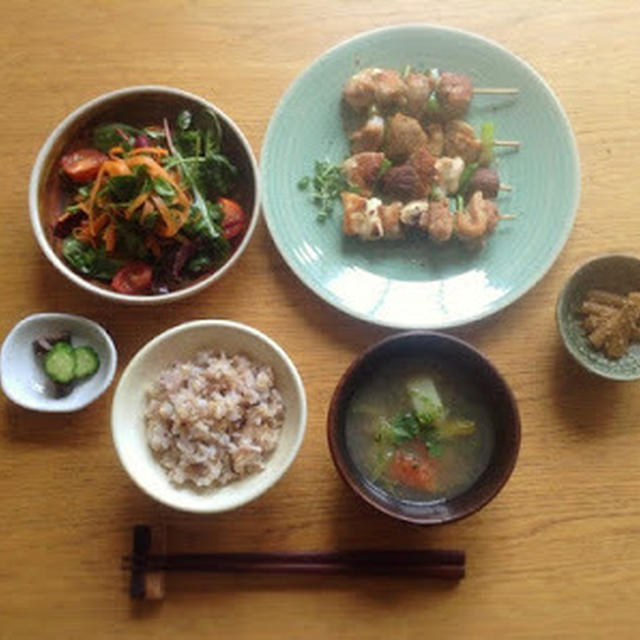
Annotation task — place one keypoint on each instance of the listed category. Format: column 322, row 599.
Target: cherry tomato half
column 133, row 279
column 234, row 220
column 82, row 165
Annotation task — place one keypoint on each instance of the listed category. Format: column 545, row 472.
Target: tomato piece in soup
column 412, row 467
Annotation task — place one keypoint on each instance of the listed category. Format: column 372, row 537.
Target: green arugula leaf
column 200, row 262
column 130, row 241
column 199, row 144
column 115, row 134
column 89, row 261
column 124, row 188
column 163, row 187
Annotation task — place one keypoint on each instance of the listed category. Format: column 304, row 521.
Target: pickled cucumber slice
column 86, row 362
column 60, row 363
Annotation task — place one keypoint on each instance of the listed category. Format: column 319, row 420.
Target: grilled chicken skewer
column 417, row 177
column 368, row 219
column 435, row 97
column 400, row 134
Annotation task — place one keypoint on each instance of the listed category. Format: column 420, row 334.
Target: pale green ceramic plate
column 417, row 285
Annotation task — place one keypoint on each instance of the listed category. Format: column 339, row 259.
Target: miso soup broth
column 419, row 430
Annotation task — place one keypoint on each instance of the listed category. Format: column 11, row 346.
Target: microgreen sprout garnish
column 327, row 184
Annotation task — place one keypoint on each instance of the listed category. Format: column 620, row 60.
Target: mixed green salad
column 148, row 209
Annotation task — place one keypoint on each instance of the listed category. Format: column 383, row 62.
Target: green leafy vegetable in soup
column 420, row 433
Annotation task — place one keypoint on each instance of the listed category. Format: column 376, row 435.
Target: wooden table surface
column 556, row 554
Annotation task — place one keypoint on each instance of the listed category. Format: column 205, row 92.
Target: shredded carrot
column 138, row 202
column 109, row 237
column 170, row 222
column 92, row 197
column 83, row 234
column 147, row 209
column 64, row 216
column 159, row 151
column 116, row 167
column 100, row 222
column 115, row 151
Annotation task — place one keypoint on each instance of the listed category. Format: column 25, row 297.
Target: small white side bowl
column 182, row 343
column 21, row 373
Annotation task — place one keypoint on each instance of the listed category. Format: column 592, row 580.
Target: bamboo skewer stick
column 506, row 143
column 496, row 91
column 505, row 187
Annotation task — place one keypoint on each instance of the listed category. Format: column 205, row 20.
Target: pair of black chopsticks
column 425, row 563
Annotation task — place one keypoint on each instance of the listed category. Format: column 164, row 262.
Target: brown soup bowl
column 499, row 403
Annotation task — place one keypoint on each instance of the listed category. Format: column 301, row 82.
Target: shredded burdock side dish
column 611, row 321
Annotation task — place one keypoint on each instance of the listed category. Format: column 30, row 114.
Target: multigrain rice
column 213, row 419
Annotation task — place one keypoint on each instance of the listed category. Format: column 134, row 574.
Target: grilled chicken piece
column 383, row 88
column 435, row 139
column 419, row 88
column 361, row 217
column 454, row 94
column 477, row 220
column 361, row 170
column 391, row 91
column 425, row 165
column 359, row 91
column 402, row 137
column 460, row 140
column 369, row 137
column 432, row 217
column 369, row 219
column 413, row 211
column 439, row 221
column 449, row 173
column 390, row 216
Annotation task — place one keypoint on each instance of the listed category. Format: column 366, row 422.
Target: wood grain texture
column 555, row 555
